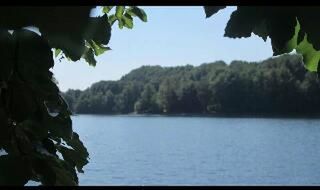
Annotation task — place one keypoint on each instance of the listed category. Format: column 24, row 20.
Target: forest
column 278, row 85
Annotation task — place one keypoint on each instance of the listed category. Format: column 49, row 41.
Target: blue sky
column 172, row 36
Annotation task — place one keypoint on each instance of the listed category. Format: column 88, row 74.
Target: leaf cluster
column 289, row 28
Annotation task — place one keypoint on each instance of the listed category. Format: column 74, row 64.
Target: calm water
column 145, row 150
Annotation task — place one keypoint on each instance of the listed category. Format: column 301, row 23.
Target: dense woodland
column 279, row 85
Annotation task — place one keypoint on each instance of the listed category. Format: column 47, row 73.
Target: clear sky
column 172, row 36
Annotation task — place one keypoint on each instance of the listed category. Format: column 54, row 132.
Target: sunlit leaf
column 107, row 9
column 311, row 57
column 57, row 52
column 127, row 20
column 112, row 19
column 120, row 23
column 119, row 11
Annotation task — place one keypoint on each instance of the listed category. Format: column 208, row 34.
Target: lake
column 159, row 150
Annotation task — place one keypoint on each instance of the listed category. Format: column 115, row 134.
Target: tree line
column 279, row 85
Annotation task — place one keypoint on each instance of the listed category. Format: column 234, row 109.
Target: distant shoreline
column 213, row 115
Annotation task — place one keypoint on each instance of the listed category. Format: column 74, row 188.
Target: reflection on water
column 145, row 150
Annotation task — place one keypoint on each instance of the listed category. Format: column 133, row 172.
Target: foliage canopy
column 276, row 86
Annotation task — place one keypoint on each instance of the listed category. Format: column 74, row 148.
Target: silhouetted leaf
column 14, row 170
column 53, row 171
column 21, row 97
column 261, row 30
column 6, row 54
column 73, row 158
column 308, row 18
column 80, row 150
column 45, row 174
column 135, row 11
column 66, row 28
column 243, row 21
column 65, row 177
column 89, row 57
column 211, row 10
column 281, row 29
column 49, row 145
column 4, row 128
column 99, row 30
column 60, row 126
column 34, row 129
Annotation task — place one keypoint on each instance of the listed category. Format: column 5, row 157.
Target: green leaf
column 57, row 52
column 311, row 57
column 127, row 20
column 293, row 42
column 68, row 58
column 107, row 9
column 89, row 57
column 119, row 12
column 112, row 19
column 120, row 23
column 211, row 10
column 98, row 48
column 135, row 11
